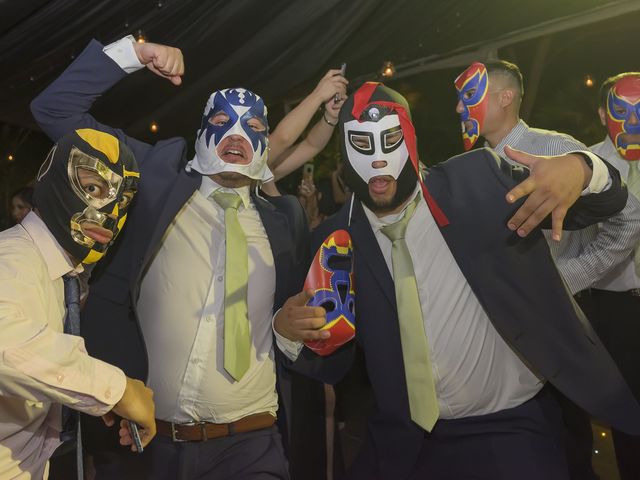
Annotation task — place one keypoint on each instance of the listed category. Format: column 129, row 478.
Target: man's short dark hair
column 509, row 70
column 608, row 83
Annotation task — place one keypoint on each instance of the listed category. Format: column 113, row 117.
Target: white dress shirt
column 475, row 371
column 181, row 311
column 41, row 367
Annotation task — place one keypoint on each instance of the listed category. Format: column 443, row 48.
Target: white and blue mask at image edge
column 240, row 105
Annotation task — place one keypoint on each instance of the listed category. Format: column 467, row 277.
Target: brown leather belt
column 203, row 431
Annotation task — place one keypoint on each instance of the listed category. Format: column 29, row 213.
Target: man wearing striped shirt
column 617, row 296
column 490, row 96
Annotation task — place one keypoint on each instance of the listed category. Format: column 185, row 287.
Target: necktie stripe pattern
column 237, row 335
column 423, row 401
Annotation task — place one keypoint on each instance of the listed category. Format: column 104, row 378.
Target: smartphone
column 133, row 428
column 307, row 170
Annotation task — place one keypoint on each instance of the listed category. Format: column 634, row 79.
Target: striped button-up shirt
column 623, row 277
column 587, row 255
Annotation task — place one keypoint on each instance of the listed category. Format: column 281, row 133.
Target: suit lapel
column 276, row 225
column 183, row 188
column 367, row 250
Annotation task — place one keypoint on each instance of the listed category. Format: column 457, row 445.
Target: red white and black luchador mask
column 375, row 126
column 331, row 278
column 472, row 86
column 623, row 116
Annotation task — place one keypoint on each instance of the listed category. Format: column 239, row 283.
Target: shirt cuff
column 123, row 54
column 290, row 348
column 600, row 179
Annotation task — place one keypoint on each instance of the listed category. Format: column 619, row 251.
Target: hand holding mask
column 331, row 279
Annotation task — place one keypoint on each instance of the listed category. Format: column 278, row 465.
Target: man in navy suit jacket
column 496, row 315
column 166, row 282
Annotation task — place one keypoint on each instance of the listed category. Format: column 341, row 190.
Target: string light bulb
column 603, row 434
column 588, row 81
column 388, row 69
column 140, row 38
column 10, row 157
column 153, row 127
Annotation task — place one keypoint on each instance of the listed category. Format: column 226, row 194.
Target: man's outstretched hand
column 553, row 186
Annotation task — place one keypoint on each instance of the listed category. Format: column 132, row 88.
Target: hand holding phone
column 135, row 434
column 307, row 171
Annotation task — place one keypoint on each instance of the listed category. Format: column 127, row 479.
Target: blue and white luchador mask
column 233, row 135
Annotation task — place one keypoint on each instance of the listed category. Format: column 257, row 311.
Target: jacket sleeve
column 65, row 104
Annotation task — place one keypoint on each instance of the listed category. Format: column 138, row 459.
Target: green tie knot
column 227, row 199
column 396, row 230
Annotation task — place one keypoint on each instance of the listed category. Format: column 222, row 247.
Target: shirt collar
column 55, row 257
column 208, row 186
column 511, row 138
column 610, row 149
column 378, row 222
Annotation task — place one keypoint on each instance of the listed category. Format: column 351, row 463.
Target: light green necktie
column 633, row 185
column 423, row 401
column 237, row 336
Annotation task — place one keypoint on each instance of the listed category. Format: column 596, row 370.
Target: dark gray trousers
column 256, row 455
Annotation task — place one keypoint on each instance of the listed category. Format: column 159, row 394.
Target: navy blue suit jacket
column 110, row 324
column 516, row 282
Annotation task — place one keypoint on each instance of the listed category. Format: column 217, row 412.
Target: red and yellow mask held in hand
column 472, row 86
column 623, row 116
column 331, row 278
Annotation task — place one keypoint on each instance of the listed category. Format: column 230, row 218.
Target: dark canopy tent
column 280, row 49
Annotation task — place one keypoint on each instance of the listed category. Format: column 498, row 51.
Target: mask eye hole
column 219, row 119
column 256, row 124
column 391, row 139
column 468, row 94
column 93, row 184
column 620, row 110
column 328, row 305
column 362, row 142
column 125, row 200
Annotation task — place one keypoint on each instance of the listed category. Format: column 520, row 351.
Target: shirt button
column 60, row 377
column 220, row 278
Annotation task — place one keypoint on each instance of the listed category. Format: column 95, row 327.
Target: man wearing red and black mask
column 460, row 311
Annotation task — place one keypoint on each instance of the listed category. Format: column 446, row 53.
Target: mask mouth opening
column 629, row 138
column 93, row 229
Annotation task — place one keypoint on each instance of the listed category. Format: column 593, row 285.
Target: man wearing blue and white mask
column 208, row 264
column 233, row 137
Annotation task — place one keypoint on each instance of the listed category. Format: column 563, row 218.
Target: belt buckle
column 634, row 292
column 174, row 431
